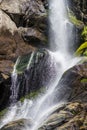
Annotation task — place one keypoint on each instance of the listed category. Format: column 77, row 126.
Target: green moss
column 74, row 20
column 2, row 113
column 33, row 95
column 23, row 62
column 84, row 33
column 84, row 80
column 82, row 50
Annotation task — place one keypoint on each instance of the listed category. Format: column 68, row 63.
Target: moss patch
column 74, row 20
column 23, row 62
column 33, row 95
column 84, row 33
column 2, row 113
column 84, row 80
column 82, row 50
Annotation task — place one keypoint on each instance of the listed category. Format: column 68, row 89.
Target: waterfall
column 15, row 85
column 30, row 60
column 60, row 38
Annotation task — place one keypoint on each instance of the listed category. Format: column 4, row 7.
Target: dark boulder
column 73, row 84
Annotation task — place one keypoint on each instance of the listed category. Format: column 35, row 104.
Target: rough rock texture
column 20, row 27
column 73, row 84
column 78, row 16
column 23, row 29
column 35, row 71
column 72, row 116
column 17, row 125
column 79, row 7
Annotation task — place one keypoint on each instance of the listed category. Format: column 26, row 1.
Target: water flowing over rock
column 69, row 116
column 72, row 85
column 45, row 90
column 35, row 71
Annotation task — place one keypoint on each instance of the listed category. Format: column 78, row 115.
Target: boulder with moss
column 36, row 70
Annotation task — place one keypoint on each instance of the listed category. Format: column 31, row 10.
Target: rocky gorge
column 24, row 33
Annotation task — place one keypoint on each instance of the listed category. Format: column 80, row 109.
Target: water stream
column 60, row 37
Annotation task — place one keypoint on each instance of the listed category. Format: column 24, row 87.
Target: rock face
column 17, row 125
column 72, row 85
column 23, row 29
column 79, row 7
column 78, row 16
column 20, row 27
column 69, row 116
column 35, row 71
column 5, row 83
column 72, row 116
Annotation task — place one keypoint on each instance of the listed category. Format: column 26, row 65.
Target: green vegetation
column 82, row 50
column 2, row 113
column 23, row 62
column 74, row 20
column 33, row 94
column 84, row 33
column 84, row 80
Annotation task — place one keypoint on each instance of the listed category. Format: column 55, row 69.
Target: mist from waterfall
column 38, row 109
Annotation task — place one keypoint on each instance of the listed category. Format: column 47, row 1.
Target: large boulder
column 35, row 71
column 17, row 125
column 26, row 13
column 72, row 85
column 71, row 116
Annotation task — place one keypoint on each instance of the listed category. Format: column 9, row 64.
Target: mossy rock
column 33, row 94
column 3, row 112
column 22, row 63
column 82, row 50
column 84, row 80
column 84, row 33
column 30, row 59
column 74, row 20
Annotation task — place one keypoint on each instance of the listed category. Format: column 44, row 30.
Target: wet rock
column 79, row 9
column 5, row 82
column 17, row 125
column 78, row 14
column 69, row 116
column 72, row 85
column 35, row 71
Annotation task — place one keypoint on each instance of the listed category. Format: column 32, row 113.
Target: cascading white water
column 37, row 109
column 14, row 86
column 32, row 54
